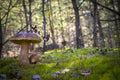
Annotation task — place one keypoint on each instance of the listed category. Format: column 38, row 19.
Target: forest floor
column 80, row 64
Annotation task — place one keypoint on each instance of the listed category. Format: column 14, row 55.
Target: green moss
column 102, row 67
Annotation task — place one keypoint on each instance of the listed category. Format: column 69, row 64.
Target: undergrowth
column 101, row 66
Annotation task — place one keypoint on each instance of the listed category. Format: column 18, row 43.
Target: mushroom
column 25, row 39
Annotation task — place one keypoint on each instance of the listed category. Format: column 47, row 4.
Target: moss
column 102, row 67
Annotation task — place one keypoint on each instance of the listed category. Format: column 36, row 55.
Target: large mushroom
column 24, row 39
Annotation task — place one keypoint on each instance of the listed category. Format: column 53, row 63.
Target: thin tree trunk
column 102, row 42
column 30, row 15
column 5, row 23
column 6, row 20
column 116, row 33
column 117, row 29
column 30, row 21
column 1, row 27
column 26, row 17
column 21, row 21
column 79, row 39
column 109, row 37
column 118, row 24
column 44, row 24
column 1, row 45
column 95, row 41
column 51, row 23
column 6, row 16
column 61, row 21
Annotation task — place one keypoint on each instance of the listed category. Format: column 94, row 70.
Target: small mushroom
column 24, row 39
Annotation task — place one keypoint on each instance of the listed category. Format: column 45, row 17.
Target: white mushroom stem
column 24, row 53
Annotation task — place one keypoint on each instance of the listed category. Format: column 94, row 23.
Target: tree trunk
column 51, row 23
column 79, row 39
column 0, row 40
column 117, row 29
column 61, row 22
column 44, row 24
column 30, row 15
column 118, row 24
column 109, row 37
column 26, row 17
column 101, row 35
column 21, row 21
column 95, row 41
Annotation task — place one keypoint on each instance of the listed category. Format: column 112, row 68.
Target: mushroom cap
column 25, row 37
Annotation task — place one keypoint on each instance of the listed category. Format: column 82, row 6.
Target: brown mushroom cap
column 25, row 37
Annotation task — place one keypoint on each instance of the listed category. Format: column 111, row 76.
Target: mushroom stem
column 24, row 53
